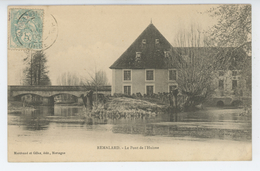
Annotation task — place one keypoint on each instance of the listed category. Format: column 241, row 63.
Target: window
column 144, row 41
column 166, row 54
column 221, row 73
column 138, row 56
column 234, row 84
column 127, row 90
column 157, row 41
column 234, row 73
column 172, row 75
column 127, row 75
column 221, row 84
column 149, row 90
column 149, row 75
column 172, row 87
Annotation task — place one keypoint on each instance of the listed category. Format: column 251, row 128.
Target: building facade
column 231, row 88
column 148, row 66
column 145, row 81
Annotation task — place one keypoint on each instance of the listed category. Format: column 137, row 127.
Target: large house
column 148, row 66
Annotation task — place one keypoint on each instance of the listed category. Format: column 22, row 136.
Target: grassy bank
column 128, row 106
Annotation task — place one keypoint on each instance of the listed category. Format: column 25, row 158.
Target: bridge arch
column 58, row 97
column 57, row 94
column 48, row 92
column 75, row 97
column 74, row 94
column 19, row 95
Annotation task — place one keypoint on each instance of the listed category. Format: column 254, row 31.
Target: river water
column 70, row 124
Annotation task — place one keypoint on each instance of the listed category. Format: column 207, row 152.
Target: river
column 64, row 127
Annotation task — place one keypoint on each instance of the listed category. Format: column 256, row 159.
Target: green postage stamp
column 26, row 28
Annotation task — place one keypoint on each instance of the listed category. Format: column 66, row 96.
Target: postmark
column 50, row 33
column 26, row 28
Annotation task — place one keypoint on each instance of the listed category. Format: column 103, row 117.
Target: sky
column 91, row 38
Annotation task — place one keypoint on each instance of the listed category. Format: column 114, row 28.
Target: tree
column 234, row 25
column 196, row 75
column 69, row 78
column 36, row 72
column 234, row 30
column 99, row 79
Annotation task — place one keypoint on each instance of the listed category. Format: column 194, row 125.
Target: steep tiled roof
column 152, row 53
column 230, row 57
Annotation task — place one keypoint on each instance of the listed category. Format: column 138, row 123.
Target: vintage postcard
column 129, row 83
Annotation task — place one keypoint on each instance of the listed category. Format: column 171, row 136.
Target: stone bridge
column 49, row 92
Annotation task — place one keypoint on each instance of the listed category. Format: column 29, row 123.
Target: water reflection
column 213, row 124
column 194, row 131
column 33, row 119
column 60, row 110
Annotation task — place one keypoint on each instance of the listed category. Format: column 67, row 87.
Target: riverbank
column 120, row 106
column 128, row 106
column 16, row 106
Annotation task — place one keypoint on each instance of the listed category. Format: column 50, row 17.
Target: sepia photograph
column 117, row 83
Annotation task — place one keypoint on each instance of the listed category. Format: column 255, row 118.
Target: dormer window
column 157, row 41
column 166, row 54
column 138, row 56
column 144, row 41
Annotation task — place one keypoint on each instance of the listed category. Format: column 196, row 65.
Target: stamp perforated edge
column 9, row 25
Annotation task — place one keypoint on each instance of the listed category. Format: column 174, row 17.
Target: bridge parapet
column 48, row 91
column 58, row 88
